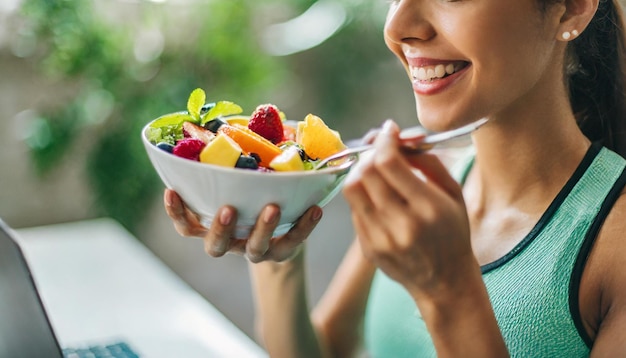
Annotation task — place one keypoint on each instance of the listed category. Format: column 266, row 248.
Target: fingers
column 397, row 169
column 305, row 225
column 370, row 136
column 386, row 159
column 288, row 246
column 217, row 241
column 433, row 169
column 259, row 241
column 385, row 187
column 367, row 190
column 354, row 191
column 185, row 221
column 259, row 246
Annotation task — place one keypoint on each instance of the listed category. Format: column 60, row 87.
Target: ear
column 577, row 15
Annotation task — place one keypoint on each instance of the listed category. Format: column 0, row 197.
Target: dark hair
column 596, row 70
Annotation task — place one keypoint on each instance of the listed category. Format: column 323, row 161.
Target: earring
column 567, row 35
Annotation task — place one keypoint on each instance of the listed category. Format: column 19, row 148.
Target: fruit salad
column 216, row 133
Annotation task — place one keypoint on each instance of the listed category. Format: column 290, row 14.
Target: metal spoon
column 430, row 141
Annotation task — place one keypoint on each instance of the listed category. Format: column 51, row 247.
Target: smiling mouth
column 435, row 72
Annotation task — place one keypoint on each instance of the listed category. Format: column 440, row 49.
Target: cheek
column 507, row 57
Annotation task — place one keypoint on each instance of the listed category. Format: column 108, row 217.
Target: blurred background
column 80, row 78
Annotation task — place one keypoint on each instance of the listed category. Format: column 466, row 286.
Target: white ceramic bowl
column 205, row 188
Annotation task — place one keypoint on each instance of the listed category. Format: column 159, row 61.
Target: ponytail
column 596, row 70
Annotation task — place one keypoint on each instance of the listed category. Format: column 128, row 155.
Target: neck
column 523, row 161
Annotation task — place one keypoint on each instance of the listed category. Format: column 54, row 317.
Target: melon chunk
column 222, row 150
column 287, row 161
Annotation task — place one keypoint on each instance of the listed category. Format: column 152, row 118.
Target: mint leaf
column 221, row 109
column 195, row 102
column 171, row 119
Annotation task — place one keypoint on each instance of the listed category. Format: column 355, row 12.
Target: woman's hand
column 413, row 225
column 260, row 246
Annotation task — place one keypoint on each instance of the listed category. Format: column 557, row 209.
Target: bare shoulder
column 611, row 240
column 603, row 286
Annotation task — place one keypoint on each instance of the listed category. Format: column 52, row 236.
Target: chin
column 441, row 119
column 434, row 117
column 437, row 122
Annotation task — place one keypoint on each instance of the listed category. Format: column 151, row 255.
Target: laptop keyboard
column 115, row 350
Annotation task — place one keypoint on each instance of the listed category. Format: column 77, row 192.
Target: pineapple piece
column 222, row 150
column 288, row 160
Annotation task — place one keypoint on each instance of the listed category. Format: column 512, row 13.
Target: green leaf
column 221, row 109
column 310, row 164
column 171, row 119
column 195, row 102
column 154, row 135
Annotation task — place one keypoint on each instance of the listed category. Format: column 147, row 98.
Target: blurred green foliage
column 120, row 90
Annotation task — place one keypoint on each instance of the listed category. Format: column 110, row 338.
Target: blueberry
column 256, row 157
column 214, row 124
column 207, row 107
column 246, row 162
column 303, row 154
column 166, row 147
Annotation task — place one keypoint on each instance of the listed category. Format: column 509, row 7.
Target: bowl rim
column 325, row 171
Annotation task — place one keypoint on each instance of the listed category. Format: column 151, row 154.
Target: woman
column 519, row 254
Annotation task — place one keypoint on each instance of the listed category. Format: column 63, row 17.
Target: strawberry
column 266, row 122
column 189, row 148
column 289, row 133
column 191, row 130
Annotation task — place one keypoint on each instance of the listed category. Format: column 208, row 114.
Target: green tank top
column 533, row 288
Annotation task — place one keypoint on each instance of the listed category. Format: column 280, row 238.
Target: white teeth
column 429, row 73
column 421, row 73
column 440, row 70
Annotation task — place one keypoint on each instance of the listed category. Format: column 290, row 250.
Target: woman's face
column 469, row 59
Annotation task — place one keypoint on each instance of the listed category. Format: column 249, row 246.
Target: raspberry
column 266, row 122
column 189, row 148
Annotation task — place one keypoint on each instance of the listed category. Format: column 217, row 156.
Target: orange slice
column 250, row 142
column 242, row 120
column 317, row 140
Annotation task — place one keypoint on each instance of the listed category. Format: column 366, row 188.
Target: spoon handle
column 425, row 144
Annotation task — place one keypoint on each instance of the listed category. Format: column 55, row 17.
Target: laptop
column 25, row 329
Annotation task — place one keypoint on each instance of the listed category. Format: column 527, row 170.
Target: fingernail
column 168, row 198
column 226, row 216
column 269, row 215
column 388, row 125
column 316, row 215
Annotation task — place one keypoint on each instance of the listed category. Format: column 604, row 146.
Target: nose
column 407, row 21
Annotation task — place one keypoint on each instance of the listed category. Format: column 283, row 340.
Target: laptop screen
column 25, row 330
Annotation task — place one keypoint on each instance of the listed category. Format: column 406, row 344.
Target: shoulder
column 603, row 285
column 610, row 247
